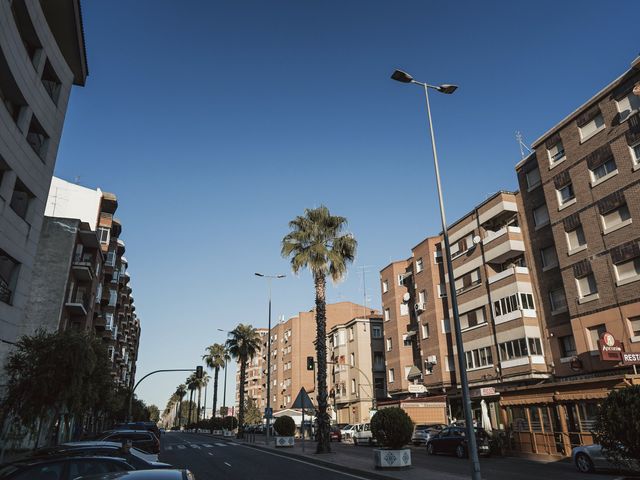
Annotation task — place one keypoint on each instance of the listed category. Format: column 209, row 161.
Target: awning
column 537, row 400
column 414, row 372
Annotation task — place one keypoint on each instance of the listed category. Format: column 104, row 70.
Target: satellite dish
column 406, row 297
column 476, row 239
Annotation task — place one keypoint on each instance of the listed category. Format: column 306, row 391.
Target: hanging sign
column 610, row 348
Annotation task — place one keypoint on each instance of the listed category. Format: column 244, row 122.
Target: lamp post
column 224, row 393
column 404, row 77
column 268, row 409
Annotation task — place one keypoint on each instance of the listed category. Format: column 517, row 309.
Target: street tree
column 153, row 412
column 180, row 393
column 617, row 426
column 243, row 344
column 317, row 242
column 192, row 385
column 215, row 359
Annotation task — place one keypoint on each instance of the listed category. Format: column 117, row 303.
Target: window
column 437, row 255
column 628, row 105
column 404, row 309
column 51, row 82
column 352, row 359
column 419, row 265
column 376, row 332
column 385, row 286
column 556, row 153
column 557, row 299
column 111, row 259
column 353, row 386
column 512, row 303
column 400, row 279
column 629, row 270
column 535, row 346
column 601, row 171
column 108, row 321
column 587, row 285
column 565, row 194
column 113, row 297
column 378, row 360
column 8, row 277
column 591, row 128
column 442, row 290
column 533, row 178
column 594, row 335
column 47, row 470
column 422, row 298
column 567, row 346
column 406, row 340
column 576, row 239
column 389, row 344
column 616, row 217
column 513, row 349
column 425, row 330
column 635, row 326
column 462, row 245
column 548, row 257
column 38, row 139
column 635, row 153
column 387, row 315
column 407, row 369
column 350, row 333
column 478, row 358
column 468, row 280
column 20, row 199
column 392, row 375
column 540, row 216
column 472, row 318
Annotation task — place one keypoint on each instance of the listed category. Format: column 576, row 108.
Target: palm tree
column 200, row 382
column 316, row 242
column 243, row 345
column 180, row 393
column 192, row 384
column 215, row 359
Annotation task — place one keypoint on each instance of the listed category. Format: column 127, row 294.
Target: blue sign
column 268, row 412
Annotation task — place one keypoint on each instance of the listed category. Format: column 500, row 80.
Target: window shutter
column 571, row 222
column 552, row 140
column 611, row 202
column 472, row 318
column 599, row 156
column 466, row 280
column 582, row 269
column 625, row 252
column 562, row 179
column 587, row 116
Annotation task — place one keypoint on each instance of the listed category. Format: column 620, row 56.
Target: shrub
column 285, row 426
column 392, row 427
column 216, row 423
column 230, row 423
column 617, row 427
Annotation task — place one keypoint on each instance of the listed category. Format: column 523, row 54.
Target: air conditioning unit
column 420, row 307
column 432, row 359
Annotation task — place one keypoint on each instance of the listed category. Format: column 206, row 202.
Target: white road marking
column 308, row 463
column 221, row 444
column 182, row 447
column 193, row 445
column 210, row 453
column 207, row 445
column 168, row 447
column 227, row 464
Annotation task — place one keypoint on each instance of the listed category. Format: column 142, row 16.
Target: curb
column 322, row 463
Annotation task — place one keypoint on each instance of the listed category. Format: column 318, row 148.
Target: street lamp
column 268, row 409
column 224, row 393
column 404, row 77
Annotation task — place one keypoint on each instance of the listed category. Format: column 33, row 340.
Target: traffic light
column 310, row 363
column 199, row 372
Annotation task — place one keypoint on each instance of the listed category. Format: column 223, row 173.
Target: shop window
column 518, row 419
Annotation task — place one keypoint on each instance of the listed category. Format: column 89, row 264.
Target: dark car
column 145, row 475
column 150, row 426
column 142, row 439
column 453, row 441
column 136, row 458
column 62, row 468
column 334, row 434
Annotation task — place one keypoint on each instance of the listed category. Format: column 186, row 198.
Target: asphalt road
column 211, row 459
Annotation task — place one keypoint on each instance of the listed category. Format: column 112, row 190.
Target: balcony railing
column 506, row 273
column 490, row 236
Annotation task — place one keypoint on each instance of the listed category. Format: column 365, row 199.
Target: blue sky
column 215, row 123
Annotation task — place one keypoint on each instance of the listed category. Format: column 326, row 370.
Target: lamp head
column 258, row 274
column 448, row 89
column 400, row 76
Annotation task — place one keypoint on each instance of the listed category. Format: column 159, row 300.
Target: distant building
column 41, row 56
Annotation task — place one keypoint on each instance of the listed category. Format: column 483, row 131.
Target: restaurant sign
column 630, row 358
column 610, row 348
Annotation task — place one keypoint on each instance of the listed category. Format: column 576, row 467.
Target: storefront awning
column 539, row 399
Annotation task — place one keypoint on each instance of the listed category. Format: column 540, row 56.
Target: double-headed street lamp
column 404, row 77
column 268, row 411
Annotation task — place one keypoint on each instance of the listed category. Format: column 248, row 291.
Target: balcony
column 78, row 304
column 503, row 244
column 121, row 246
column 82, row 267
column 507, row 273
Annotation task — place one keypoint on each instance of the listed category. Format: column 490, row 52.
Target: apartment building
column 41, row 57
column 292, row 341
column 114, row 310
column 357, row 368
column 501, row 325
column 581, row 191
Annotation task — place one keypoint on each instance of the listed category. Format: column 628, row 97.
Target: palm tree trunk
column 198, row 411
column 190, row 405
column 323, row 419
column 215, row 390
column 243, row 374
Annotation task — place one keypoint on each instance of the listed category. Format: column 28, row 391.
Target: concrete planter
column 284, row 441
column 228, row 433
column 392, row 459
column 218, row 432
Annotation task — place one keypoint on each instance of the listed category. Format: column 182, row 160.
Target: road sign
column 268, row 412
column 302, row 400
column 417, row 389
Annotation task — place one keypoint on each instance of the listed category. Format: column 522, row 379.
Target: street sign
column 610, row 348
column 630, row 358
column 417, row 389
column 302, row 400
column 268, row 412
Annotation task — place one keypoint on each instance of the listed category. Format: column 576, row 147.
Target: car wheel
column 355, row 441
column 584, row 463
column 460, row 453
column 430, row 449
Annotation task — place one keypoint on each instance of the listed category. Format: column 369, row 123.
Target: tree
column 215, row 359
column 200, row 382
column 243, row 345
column 617, row 426
column 153, row 412
column 180, row 393
column 316, row 242
column 192, row 384
column 252, row 414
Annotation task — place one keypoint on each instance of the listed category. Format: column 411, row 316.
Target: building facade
column 41, row 57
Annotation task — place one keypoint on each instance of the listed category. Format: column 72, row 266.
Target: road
column 211, row 458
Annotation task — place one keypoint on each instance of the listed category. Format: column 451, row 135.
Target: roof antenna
column 523, row 146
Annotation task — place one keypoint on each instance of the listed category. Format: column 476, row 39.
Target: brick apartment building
column 114, row 316
column 292, row 341
column 501, row 325
column 42, row 55
column 581, row 191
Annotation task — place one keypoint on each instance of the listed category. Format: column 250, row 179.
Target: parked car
column 150, row 426
column 137, row 458
column 62, row 468
column 346, row 431
column 334, row 434
column 452, row 440
column 145, row 475
column 423, row 432
column 362, row 434
column 141, row 439
column 589, row 458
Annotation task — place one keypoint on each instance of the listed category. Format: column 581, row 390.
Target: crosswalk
column 196, row 446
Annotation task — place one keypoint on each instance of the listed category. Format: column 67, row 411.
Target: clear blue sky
column 215, row 123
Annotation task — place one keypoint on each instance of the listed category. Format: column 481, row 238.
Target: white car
column 362, row 434
column 346, row 431
column 589, row 458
